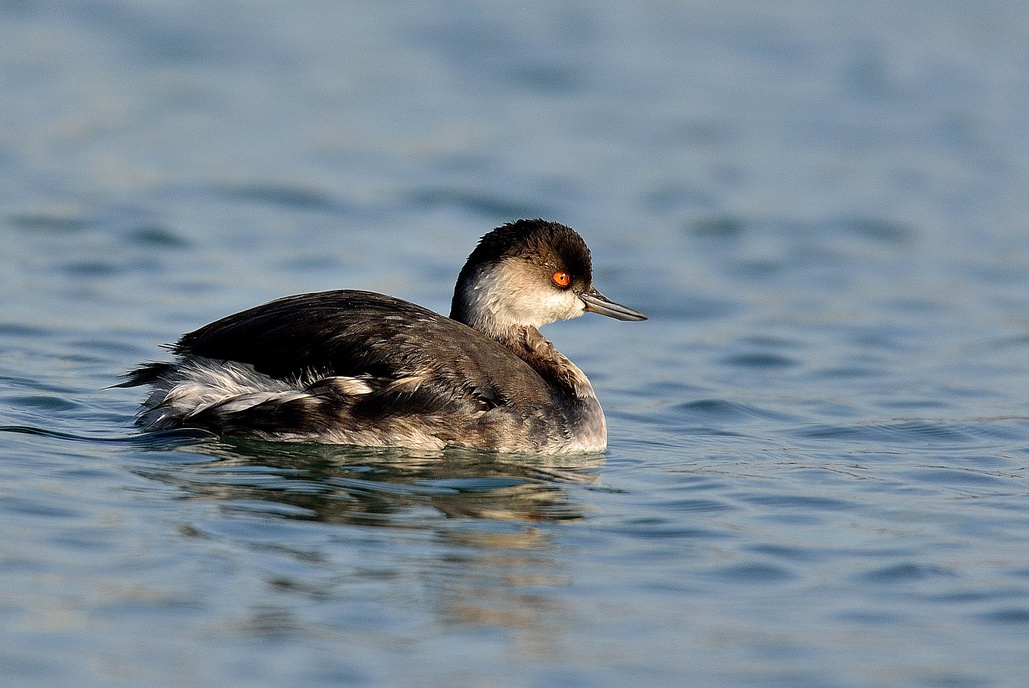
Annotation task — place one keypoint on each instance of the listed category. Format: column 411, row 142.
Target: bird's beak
column 598, row 303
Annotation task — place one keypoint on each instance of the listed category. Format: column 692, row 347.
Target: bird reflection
column 472, row 529
column 385, row 487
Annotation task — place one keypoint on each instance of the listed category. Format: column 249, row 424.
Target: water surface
column 816, row 473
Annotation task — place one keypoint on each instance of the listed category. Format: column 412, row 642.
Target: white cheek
column 512, row 295
column 533, row 309
column 565, row 304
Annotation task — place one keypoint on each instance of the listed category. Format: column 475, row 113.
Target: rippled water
column 818, row 442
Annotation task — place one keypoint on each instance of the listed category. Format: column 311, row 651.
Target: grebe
column 359, row 368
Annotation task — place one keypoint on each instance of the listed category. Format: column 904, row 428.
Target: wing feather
column 362, row 334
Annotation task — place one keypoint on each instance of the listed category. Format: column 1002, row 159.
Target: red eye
column 562, row 279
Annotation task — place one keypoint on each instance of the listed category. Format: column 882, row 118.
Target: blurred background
column 818, row 441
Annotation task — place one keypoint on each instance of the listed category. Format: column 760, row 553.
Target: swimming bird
column 360, row 368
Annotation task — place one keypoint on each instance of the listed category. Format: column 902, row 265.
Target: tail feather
column 146, row 374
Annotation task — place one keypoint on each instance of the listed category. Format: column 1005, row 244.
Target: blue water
column 819, row 441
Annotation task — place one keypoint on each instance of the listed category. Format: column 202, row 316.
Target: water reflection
column 503, row 580
column 363, row 486
column 470, row 528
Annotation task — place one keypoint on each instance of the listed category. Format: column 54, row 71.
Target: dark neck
column 460, row 309
column 532, row 347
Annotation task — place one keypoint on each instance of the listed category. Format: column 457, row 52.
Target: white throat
column 514, row 294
